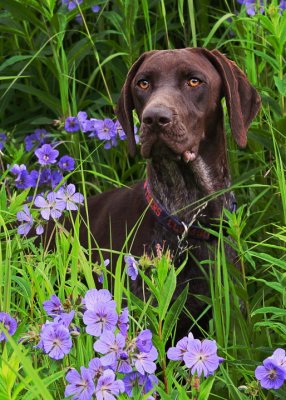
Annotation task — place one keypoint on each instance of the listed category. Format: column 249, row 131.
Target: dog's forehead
column 168, row 62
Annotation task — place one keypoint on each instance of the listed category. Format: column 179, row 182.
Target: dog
column 177, row 95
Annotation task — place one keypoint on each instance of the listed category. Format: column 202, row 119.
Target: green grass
column 53, row 67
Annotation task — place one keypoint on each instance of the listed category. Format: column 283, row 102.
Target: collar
column 173, row 223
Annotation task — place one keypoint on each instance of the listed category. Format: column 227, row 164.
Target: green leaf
column 166, row 294
column 205, row 388
column 273, row 310
column 173, row 314
column 281, row 85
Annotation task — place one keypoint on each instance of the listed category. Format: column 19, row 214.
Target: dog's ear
column 125, row 104
column 242, row 99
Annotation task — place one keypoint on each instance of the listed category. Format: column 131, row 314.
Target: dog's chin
column 160, row 150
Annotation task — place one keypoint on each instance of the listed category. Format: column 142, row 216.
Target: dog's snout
column 157, row 116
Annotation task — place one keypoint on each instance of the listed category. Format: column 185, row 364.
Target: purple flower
column 66, row 163
column 111, row 346
column 144, row 362
column 144, row 341
column 47, row 154
column 35, row 140
column 177, row 353
column 34, row 178
column 110, row 143
column 72, row 124
column 282, row 5
column 145, row 382
column 55, row 340
column 3, row 138
column 105, row 129
column 119, row 131
column 70, row 197
column 95, row 9
column 270, row 374
column 71, row 4
column 96, row 368
column 202, row 357
column 250, row 6
column 17, row 170
column 65, row 318
column 100, row 320
column 26, row 217
column 9, row 323
column 53, row 306
column 107, row 386
column 56, row 177
column 81, row 386
column 94, row 296
column 280, row 357
column 23, row 179
column 131, row 265
column 123, row 322
column 51, row 207
column 45, row 176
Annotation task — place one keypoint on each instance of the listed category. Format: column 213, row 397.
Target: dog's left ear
column 242, row 99
column 125, row 104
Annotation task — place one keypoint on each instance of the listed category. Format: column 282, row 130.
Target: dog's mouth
column 160, row 149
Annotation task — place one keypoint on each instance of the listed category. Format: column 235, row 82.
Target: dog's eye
column 194, row 82
column 143, row 84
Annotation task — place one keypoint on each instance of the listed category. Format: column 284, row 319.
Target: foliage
column 58, row 62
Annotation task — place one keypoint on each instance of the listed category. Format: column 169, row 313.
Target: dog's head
column 177, row 96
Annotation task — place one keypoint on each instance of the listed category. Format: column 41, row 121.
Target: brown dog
column 177, row 95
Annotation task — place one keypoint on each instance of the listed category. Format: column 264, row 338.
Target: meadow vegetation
column 62, row 68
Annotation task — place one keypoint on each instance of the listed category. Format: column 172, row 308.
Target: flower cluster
column 200, row 356
column 105, row 129
column 121, row 363
column 9, row 323
column 272, row 374
column 251, row 6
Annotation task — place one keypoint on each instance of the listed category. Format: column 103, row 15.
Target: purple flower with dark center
column 280, row 357
column 51, row 207
column 72, row 124
column 26, row 217
column 105, row 129
column 9, row 323
column 56, row 178
column 144, row 341
column 55, row 340
column 144, row 362
column 66, row 163
column 94, row 296
column 131, row 265
column 95, row 9
column 47, row 154
column 100, row 320
column 202, row 357
column 53, row 306
column 81, row 386
column 282, row 5
column 3, row 139
column 122, row 364
column 70, row 197
column 107, row 386
column 123, row 322
column 111, row 346
column 177, row 353
column 96, row 368
column 270, row 374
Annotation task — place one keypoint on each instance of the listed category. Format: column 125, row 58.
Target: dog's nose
column 157, row 116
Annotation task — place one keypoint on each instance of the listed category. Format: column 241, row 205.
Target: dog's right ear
column 125, row 104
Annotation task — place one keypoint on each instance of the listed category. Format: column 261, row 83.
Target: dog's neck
column 193, row 190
